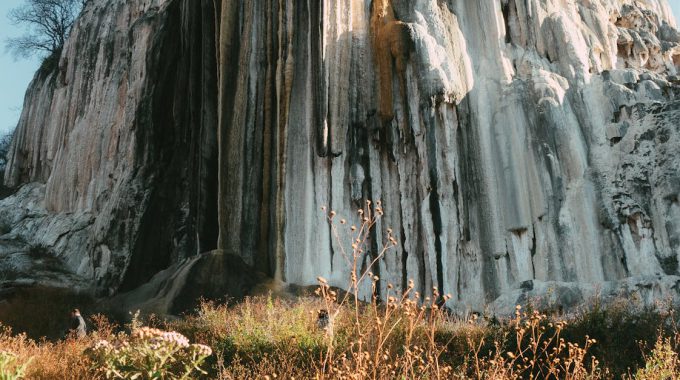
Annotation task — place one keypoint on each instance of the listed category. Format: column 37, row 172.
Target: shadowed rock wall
column 121, row 136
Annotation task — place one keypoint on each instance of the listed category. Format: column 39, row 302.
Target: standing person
column 77, row 325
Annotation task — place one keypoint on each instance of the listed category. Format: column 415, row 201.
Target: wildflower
column 146, row 333
column 103, row 345
column 175, row 338
column 202, row 350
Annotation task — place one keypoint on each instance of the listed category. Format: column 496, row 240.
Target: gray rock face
column 511, row 142
column 107, row 134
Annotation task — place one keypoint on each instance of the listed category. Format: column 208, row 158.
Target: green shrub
column 10, row 369
column 149, row 354
column 256, row 329
column 624, row 332
column 663, row 363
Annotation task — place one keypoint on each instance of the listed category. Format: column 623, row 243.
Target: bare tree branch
column 47, row 23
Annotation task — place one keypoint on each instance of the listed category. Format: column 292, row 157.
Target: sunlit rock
column 511, row 143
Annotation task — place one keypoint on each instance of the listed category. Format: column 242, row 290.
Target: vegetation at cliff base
column 267, row 338
column 338, row 335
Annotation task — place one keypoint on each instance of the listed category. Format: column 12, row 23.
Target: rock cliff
column 519, row 147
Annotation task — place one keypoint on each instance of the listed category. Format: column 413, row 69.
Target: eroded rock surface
column 511, row 142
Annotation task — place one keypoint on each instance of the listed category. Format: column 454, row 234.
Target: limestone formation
column 519, row 148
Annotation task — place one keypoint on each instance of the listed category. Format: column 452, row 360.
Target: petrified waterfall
column 519, row 147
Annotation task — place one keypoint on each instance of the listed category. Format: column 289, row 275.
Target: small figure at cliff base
column 77, row 325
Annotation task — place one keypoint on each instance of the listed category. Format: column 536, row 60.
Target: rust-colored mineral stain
column 393, row 47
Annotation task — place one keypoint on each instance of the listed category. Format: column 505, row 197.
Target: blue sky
column 16, row 74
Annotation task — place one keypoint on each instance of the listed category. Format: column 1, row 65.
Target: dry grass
column 264, row 337
column 50, row 360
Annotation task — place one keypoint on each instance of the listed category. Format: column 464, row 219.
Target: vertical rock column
column 254, row 50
